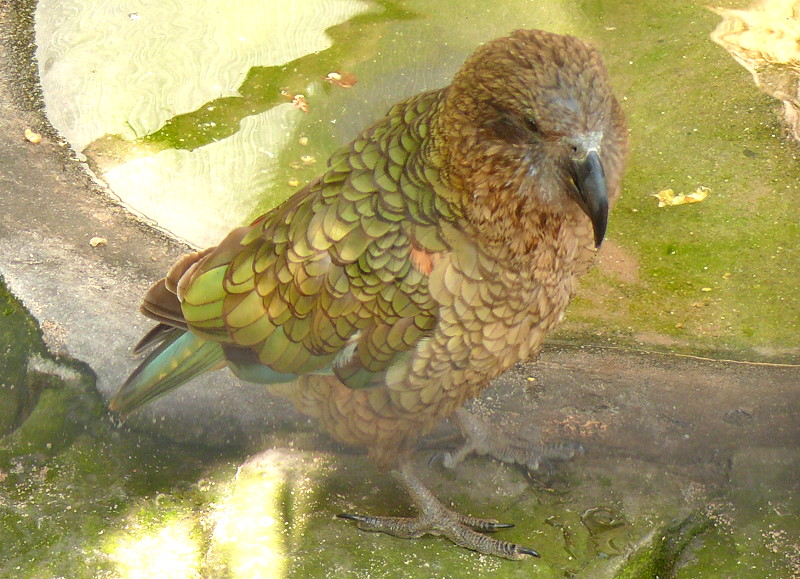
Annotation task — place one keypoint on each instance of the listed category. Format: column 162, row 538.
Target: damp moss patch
column 81, row 497
column 716, row 276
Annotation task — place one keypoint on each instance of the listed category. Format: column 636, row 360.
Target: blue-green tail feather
column 178, row 359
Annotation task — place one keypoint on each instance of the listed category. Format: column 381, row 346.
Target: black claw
column 503, row 525
column 527, row 551
column 350, row 517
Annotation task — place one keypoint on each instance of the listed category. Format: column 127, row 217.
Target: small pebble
column 32, row 136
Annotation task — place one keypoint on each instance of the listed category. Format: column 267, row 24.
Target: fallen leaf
column 698, row 195
column 299, row 102
column 344, row 79
column 668, row 197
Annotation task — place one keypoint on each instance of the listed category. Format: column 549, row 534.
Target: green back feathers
column 332, row 267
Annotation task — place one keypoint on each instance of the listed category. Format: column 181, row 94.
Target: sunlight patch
column 167, row 552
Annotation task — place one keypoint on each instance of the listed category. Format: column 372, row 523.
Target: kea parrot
column 436, row 250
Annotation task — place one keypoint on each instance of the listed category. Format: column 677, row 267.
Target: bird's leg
column 436, row 519
column 481, row 437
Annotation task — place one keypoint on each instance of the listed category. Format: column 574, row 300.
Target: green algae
column 16, row 396
column 82, row 498
column 265, row 87
column 67, row 476
column 659, row 558
column 718, row 276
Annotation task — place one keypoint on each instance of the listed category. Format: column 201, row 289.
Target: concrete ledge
column 86, row 298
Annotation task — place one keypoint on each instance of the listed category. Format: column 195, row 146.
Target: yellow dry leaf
column 665, row 197
column 698, row 195
column 668, row 197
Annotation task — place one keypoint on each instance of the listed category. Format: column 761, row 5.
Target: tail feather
column 156, row 335
column 178, row 359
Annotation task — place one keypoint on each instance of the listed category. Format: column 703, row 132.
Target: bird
column 436, row 250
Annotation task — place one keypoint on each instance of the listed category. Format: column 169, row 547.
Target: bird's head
column 531, row 127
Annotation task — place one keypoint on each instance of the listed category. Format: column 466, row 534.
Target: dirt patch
column 616, row 261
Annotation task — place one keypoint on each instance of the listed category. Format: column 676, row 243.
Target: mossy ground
column 80, row 497
column 715, row 276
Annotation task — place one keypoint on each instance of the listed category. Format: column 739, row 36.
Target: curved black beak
column 590, row 192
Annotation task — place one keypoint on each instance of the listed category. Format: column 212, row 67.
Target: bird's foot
column 483, row 438
column 436, row 519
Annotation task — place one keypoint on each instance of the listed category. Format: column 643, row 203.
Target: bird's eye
column 512, row 126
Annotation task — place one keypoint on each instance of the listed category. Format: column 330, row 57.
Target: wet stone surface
column 688, row 493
